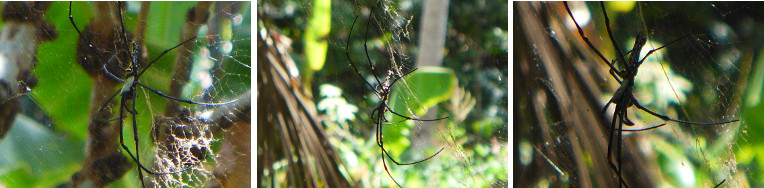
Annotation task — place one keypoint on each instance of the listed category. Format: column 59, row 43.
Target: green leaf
column 316, row 33
column 37, row 157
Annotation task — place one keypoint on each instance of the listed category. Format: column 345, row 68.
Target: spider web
column 695, row 79
column 220, row 73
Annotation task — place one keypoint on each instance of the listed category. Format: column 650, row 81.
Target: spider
column 382, row 91
column 131, row 75
column 623, row 96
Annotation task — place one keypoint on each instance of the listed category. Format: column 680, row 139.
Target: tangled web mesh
column 182, row 144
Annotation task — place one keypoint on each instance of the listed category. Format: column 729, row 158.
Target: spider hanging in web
column 623, row 96
column 382, row 91
column 128, row 73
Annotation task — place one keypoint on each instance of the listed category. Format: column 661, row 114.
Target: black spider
column 623, row 96
column 130, row 76
column 383, row 91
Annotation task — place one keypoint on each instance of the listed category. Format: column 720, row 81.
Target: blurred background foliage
column 712, row 75
column 47, row 142
column 470, row 89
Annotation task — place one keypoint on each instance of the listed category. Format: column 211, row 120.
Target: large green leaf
column 316, row 33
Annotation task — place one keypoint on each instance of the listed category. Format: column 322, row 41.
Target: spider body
column 623, row 96
column 128, row 90
column 632, row 65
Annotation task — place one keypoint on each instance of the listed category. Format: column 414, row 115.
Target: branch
column 24, row 28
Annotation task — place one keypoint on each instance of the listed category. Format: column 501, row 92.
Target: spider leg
column 379, row 111
column 610, row 33
column 90, row 44
column 122, row 138
column 380, row 141
column 642, row 129
column 132, row 110
column 112, row 76
column 653, row 50
column 616, row 76
column 393, row 123
column 386, row 170
column 374, row 114
column 620, row 147
column 135, row 139
column 122, row 23
column 103, row 107
column 366, row 48
column 404, row 75
column 401, row 115
column 604, row 109
column 347, row 53
column 379, row 128
column 162, row 54
column 398, row 78
column 164, row 95
column 589, row 43
column 626, row 119
column 410, row 118
column 666, row 118
column 405, row 117
column 720, row 183
column 411, row 163
column 182, row 100
column 611, row 134
column 619, row 138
